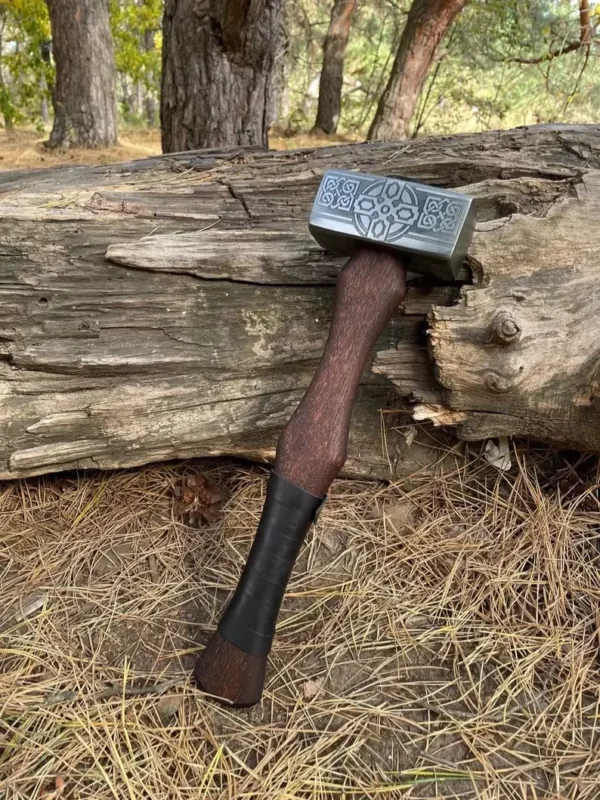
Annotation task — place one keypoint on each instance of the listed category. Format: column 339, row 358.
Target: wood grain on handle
column 312, row 448
column 310, row 452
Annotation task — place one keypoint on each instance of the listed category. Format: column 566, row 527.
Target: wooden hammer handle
column 310, row 453
column 312, row 447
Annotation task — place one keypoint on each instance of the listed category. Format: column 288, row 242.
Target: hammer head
column 430, row 228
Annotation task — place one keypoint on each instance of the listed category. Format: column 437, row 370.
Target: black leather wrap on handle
column 250, row 618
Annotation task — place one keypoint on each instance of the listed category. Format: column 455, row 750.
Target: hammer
column 386, row 226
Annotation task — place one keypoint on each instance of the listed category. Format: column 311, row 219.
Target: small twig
column 116, row 690
column 369, row 82
column 148, row 235
column 153, row 567
column 397, row 153
column 573, row 92
column 426, row 98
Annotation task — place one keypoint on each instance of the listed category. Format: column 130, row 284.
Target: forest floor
column 23, row 148
column 439, row 638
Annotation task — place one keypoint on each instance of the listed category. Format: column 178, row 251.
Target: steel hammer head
column 431, row 228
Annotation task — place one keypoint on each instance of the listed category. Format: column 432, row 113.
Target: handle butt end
column 230, row 674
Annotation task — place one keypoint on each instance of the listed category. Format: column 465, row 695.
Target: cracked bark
column 217, row 68
column 146, row 314
column 84, row 96
column 520, row 353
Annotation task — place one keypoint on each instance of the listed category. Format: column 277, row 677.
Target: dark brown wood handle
column 310, row 453
column 312, row 447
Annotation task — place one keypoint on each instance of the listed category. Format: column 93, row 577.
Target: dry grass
column 23, row 148
column 277, row 141
column 438, row 638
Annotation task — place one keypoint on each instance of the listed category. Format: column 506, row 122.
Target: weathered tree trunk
column 177, row 306
column 332, row 71
column 84, row 96
column 520, row 352
column 217, row 62
column 427, row 23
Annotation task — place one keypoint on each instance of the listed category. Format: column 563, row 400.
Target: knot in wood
column 505, row 328
column 497, row 383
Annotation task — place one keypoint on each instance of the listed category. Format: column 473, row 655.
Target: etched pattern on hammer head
column 433, row 227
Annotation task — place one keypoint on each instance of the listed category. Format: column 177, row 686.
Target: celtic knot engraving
column 388, row 210
column 385, row 210
column 433, row 225
column 338, row 193
column 440, row 215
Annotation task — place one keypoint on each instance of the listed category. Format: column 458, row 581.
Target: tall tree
column 332, row 72
column 217, row 61
column 5, row 103
column 150, row 99
column 426, row 25
column 84, row 98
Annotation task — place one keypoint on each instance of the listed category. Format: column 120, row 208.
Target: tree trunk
column 44, row 110
column 124, row 95
column 150, row 99
column 427, row 23
column 151, row 110
column 277, row 97
column 84, row 97
column 177, row 307
column 332, row 72
column 5, row 103
column 586, row 31
column 520, row 352
column 46, row 51
column 217, row 62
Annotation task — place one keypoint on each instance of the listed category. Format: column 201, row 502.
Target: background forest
column 499, row 65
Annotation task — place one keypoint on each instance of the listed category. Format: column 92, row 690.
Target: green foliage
column 476, row 83
column 136, row 27
column 374, row 36
column 480, row 83
column 25, row 75
column 479, row 80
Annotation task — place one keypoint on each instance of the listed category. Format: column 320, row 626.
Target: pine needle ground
column 439, row 638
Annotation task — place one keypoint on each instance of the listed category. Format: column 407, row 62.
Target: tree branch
column 572, row 94
column 587, row 32
column 561, row 51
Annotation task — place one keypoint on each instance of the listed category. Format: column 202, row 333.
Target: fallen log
column 177, row 306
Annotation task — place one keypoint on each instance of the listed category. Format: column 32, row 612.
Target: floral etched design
column 385, row 210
